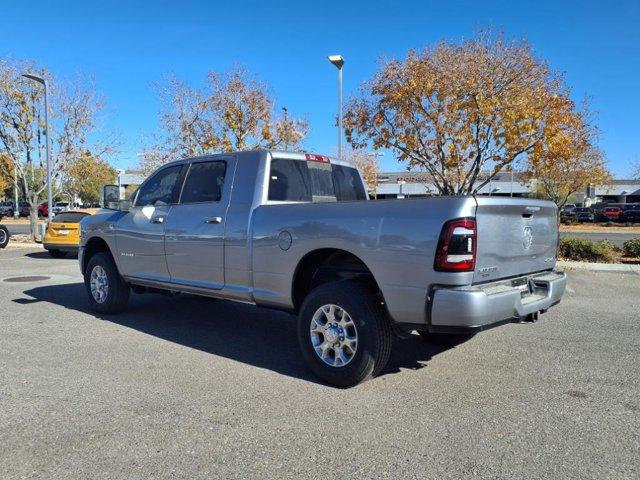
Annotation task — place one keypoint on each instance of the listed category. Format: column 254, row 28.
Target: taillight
column 457, row 246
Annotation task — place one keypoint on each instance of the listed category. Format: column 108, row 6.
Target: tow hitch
column 532, row 317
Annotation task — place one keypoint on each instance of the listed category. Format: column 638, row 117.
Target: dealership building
column 417, row 184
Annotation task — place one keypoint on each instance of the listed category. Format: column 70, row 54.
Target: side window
column 348, row 184
column 289, row 180
column 159, row 189
column 204, row 182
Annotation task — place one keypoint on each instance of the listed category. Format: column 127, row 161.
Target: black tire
column 118, row 290
column 57, row 253
column 4, row 236
column 446, row 340
column 374, row 334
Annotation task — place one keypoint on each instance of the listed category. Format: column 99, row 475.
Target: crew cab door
column 140, row 232
column 194, row 231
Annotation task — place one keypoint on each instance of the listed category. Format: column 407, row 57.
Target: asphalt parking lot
column 183, row 387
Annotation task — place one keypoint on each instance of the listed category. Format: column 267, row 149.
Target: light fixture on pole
column 43, row 81
column 338, row 61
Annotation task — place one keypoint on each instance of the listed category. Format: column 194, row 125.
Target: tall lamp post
column 16, row 210
column 43, row 81
column 338, row 61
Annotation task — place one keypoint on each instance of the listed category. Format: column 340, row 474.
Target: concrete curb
column 598, row 267
column 23, row 245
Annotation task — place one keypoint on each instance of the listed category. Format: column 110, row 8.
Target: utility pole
column 338, row 62
column 16, row 210
column 286, row 123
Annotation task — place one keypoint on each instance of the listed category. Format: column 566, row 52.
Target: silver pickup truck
column 295, row 232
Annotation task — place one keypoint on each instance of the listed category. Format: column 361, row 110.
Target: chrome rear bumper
column 481, row 306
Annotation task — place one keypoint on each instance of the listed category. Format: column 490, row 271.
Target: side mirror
column 110, row 196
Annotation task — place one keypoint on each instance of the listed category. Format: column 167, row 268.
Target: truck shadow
column 244, row 333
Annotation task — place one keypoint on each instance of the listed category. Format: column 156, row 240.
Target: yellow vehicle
column 63, row 233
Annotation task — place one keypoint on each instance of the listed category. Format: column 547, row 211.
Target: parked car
column 613, row 213
column 24, row 209
column 632, row 214
column 298, row 234
column 7, row 208
column 63, row 233
column 60, row 207
column 43, row 209
column 568, row 209
column 584, row 214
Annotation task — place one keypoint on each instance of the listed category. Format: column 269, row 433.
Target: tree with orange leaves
column 568, row 160
column 455, row 110
column 233, row 112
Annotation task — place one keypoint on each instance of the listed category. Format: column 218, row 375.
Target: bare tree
column 74, row 107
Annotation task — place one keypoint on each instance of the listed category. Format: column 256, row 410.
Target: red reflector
column 316, row 158
column 457, row 246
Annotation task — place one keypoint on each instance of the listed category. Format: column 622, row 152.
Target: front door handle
column 157, row 220
column 212, row 219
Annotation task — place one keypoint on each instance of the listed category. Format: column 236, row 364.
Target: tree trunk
column 33, row 218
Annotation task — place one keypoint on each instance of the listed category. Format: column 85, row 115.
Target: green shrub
column 581, row 249
column 631, row 247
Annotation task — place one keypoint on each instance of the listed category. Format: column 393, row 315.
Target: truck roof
column 273, row 153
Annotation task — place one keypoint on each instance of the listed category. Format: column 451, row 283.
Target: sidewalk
column 598, row 267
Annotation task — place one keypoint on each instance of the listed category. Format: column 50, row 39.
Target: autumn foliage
column 455, row 110
column 232, row 112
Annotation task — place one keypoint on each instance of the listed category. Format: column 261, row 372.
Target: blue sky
column 125, row 46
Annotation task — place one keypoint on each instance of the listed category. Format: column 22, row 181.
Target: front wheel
column 344, row 333
column 107, row 290
column 57, row 253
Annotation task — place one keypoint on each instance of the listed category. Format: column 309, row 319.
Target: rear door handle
column 157, row 220
column 212, row 219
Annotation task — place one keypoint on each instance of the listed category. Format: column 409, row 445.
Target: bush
column 631, row 247
column 581, row 249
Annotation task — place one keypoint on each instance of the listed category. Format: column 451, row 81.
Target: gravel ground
column 183, row 387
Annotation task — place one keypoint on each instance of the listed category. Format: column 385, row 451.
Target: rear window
column 69, row 217
column 313, row 181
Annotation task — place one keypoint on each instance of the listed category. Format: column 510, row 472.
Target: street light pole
column 338, row 61
column 46, row 122
column 16, row 210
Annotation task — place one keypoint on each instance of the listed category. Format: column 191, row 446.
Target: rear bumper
column 474, row 308
column 65, row 247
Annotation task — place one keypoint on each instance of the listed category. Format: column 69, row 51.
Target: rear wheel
column 446, row 340
column 107, row 290
column 57, row 253
column 4, row 236
column 344, row 333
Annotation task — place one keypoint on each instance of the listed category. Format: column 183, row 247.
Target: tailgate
column 515, row 237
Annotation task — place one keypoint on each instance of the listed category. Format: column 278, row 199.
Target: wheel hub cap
column 334, row 336
column 99, row 284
